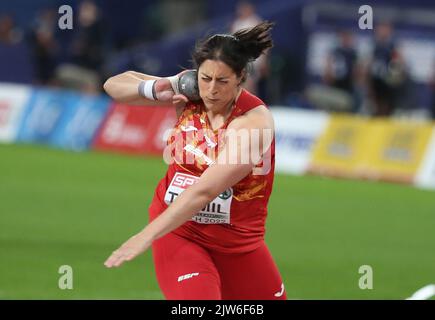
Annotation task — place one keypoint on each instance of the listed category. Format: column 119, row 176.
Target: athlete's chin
column 213, row 106
column 211, row 101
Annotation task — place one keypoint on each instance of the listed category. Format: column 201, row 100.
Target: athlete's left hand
column 128, row 251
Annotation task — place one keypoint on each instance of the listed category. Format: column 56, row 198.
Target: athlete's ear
column 242, row 77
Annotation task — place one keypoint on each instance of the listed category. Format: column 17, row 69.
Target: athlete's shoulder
column 247, row 101
column 251, row 112
column 259, row 117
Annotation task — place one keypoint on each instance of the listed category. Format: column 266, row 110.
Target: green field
column 62, row 208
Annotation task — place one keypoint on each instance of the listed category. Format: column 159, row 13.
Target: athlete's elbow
column 111, row 85
column 108, row 87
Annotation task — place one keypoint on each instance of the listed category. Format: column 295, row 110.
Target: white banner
column 425, row 177
column 13, row 99
column 296, row 132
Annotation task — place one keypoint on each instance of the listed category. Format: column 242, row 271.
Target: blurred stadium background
column 355, row 135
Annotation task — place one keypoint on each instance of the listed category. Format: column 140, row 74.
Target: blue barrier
column 61, row 118
column 42, row 115
column 80, row 122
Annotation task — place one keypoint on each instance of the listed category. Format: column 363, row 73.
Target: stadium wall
column 307, row 141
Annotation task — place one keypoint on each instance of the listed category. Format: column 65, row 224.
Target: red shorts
column 187, row 271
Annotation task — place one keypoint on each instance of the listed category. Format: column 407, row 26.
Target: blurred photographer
column 387, row 73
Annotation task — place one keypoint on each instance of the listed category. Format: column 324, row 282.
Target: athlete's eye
column 206, row 79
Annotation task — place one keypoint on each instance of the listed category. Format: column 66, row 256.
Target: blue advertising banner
column 80, row 122
column 43, row 114
column 61, row 118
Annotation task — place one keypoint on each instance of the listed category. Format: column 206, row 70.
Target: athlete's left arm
column 257, row 124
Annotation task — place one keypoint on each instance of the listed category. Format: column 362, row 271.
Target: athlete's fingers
column 165, row 95
column 177, row 98
column 114, row 261
column 114, row 257
column 119, row 261
column 119, row 256
column 162, row 84
column 179, row 101
column 180, row 97
column 130, row 256
column 127, row 255
column 128, row 251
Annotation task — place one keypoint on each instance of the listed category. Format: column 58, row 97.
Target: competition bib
column 217, row 211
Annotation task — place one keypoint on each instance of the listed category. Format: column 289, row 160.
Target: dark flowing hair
column 237, row 49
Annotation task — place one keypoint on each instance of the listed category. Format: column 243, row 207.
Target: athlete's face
column 218, row 84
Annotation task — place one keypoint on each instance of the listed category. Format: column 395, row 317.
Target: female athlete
column 208, row 214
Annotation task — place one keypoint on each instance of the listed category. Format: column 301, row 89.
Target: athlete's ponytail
column 235, row 50
column 254, row 41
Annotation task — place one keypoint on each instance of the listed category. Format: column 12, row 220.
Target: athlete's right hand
column 165, row 93
column 163, row 90
column 133, row 247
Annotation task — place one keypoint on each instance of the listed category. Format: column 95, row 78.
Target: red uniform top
column 235, row 221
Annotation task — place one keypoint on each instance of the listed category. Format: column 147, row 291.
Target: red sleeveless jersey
column 235, row 221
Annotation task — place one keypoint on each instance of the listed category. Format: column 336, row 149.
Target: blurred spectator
column 44, row 46
column 87, row 54
column 9, row 34
column 342, row 69
column 87, row 45
column 246, row 17
column 152, row 24
column 183, row 13
column 340, row 77
column 387, row 72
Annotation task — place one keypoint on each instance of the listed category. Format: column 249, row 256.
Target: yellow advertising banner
column 341, row 150
column 396, row 149
column 381, row 149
